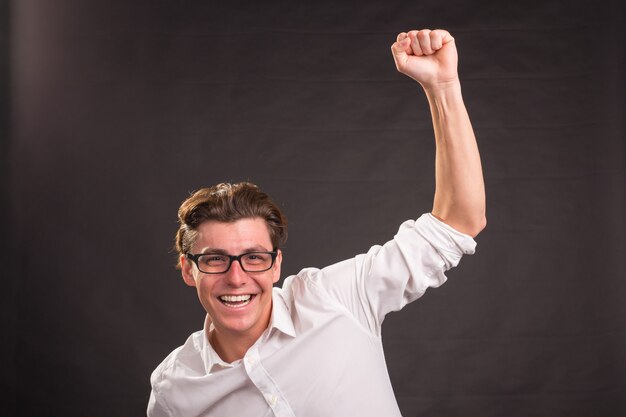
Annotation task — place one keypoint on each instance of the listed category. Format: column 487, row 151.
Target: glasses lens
column 213, row 263
column 257, row 261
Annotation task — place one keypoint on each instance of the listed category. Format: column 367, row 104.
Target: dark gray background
column 116, row 110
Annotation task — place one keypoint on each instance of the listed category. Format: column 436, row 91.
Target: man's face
column 230, row 315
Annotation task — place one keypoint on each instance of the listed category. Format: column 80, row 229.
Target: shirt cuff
column 447, row 241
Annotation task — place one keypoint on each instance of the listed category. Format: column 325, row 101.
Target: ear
column 276, row 267
column 187, row 267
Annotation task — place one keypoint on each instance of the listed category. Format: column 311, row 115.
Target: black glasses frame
column 232, row 258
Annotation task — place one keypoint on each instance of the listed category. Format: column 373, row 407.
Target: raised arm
column 430, row 58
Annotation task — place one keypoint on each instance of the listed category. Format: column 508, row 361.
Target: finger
column 423, row 37
column 404, row 42
column 415, row 45
column 399, row 52
column 436, row 40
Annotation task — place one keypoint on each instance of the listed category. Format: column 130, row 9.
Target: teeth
column 235, row 298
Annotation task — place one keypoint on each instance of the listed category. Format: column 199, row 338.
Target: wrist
column 445, row 98
column 443, row 89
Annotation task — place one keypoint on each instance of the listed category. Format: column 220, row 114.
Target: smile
column 235, row 300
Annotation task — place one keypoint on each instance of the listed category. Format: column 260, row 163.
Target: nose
column 236, row 276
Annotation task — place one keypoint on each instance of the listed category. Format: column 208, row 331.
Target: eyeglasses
column 219, row 263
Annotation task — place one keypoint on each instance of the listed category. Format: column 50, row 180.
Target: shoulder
column 306, row 281
column 307, row 286
column 186, row 357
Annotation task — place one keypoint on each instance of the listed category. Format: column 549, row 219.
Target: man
column 313, row 347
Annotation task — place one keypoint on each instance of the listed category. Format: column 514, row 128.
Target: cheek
column 268, row 283
column 205, row 287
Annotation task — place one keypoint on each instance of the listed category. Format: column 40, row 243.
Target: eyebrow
column 257, row 248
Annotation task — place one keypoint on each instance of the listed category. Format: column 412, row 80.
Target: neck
column 230, row 348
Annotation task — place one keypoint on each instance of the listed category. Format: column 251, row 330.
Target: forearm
column 430, row 58
column 459, row 187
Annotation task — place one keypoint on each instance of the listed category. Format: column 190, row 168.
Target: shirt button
column 250, row 360
column 272, row 400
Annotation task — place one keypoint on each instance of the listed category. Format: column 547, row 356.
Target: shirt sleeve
column 388, row 277
column 155, row 409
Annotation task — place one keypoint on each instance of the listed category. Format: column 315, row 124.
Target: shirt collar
column 281, row 317
column 280, row 320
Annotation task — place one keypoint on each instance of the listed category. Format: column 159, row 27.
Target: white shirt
column 322, row 352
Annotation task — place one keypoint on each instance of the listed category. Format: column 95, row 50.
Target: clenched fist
column 427, row 56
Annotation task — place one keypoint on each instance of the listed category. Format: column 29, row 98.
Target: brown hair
column 228, row 203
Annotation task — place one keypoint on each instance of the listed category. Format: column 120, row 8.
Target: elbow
column 470, row 225
column 477, row 226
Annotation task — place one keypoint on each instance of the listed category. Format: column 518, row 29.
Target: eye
column 212, row 259
column 254, row 257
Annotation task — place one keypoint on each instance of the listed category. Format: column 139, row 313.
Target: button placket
column 264, row 383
